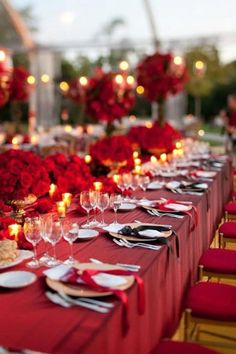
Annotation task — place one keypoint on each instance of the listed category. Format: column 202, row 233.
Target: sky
column 81, row 20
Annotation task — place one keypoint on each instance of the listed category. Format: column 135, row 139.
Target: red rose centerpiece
column 154, row 140
column 109, row 97
column 161, row 75
column 23, row 178
column 113, row 152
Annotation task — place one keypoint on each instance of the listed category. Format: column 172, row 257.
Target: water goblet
column 115, row 203
column 53, row 238
column 102, row 204
column 33, row 235
column 85, row 203
column 70, row 231
column 46, row 222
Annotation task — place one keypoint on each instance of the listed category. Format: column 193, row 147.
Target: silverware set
column 154, row 212
column 66, row 301
column 130, row 267
column 180, row 191
column 125, row 243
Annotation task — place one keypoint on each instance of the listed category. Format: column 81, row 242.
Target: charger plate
column 80, row 290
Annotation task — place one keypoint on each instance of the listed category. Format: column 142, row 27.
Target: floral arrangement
column 22, row 173
column 76, row 92
column 106, row 99
column 20, row 89
column 159, row 76
column 70, row 174
column 110, row 151
column 157, row 137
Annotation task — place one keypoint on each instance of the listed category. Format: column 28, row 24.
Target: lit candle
column 138, row 169
column 97, row 186
column 14, row 230
column 61, row 209
column 68, row 128
column 178, row 145
column 181, row 152
column 163, row 158
column 34, row 139
column 175, row 153
column 66, row 198
column 137, row 162
column 153, row 160
column 88, row 159
column 135, row 154
column 116, row 178
column 52, row 190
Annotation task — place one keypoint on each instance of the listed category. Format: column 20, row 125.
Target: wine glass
column 115, row 203
column 53, row 238
column 102, row 204
column 93, row 196
column 120, row 184
column 144, row 182
column 46, row 222
column 33, row 235
column 85, row 202
column 134, row 182
column 70, row 231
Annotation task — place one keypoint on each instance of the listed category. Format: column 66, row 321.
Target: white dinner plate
column 206, row 174
column 17, row 279
column 127, row 207
column 24, row 254
column 168, row 174
column 87, row 234
column 155, row 185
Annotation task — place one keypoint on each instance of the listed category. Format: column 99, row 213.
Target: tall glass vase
column 161, row 112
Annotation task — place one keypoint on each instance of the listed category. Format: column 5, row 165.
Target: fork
column 156, row 213
column 121, row 243
column 89, row 305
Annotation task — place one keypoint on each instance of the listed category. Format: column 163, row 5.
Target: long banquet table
column 29, row 320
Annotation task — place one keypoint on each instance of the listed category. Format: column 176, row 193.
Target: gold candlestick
column 67, row 198
column 61, row 209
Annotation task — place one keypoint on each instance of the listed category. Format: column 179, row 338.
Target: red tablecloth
column 29, row 320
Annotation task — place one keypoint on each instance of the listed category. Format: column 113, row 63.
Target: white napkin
column 202, row 185
column 114, row 227
column 206, row 174
column 150, row 233
column 127, row 206
column 177, row 207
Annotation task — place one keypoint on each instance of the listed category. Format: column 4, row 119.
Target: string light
column 45, row 78
column 124, row 65
column 178, row 60
column 199, row 65
column 201, row 132
column 2, row 55
column 119, row 79
column 83, row 80
column 148, row 124
column 64, row 86
column 130, row 80
column 140, row 90
column 31, row 80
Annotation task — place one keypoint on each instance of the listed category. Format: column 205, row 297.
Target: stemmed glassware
column 70, row 232
column 102, row 204
column 115, row 203
column 85, row 202
column 144, row 182
column 53, row 238
column 33, row 235
column 134, row 182
column 93, row 196
column 46, row 222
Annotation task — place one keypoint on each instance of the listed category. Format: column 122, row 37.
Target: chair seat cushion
column 169, row 347
column 228, row 229
column 213, row 301
column 230, row 207
column 219, row 261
